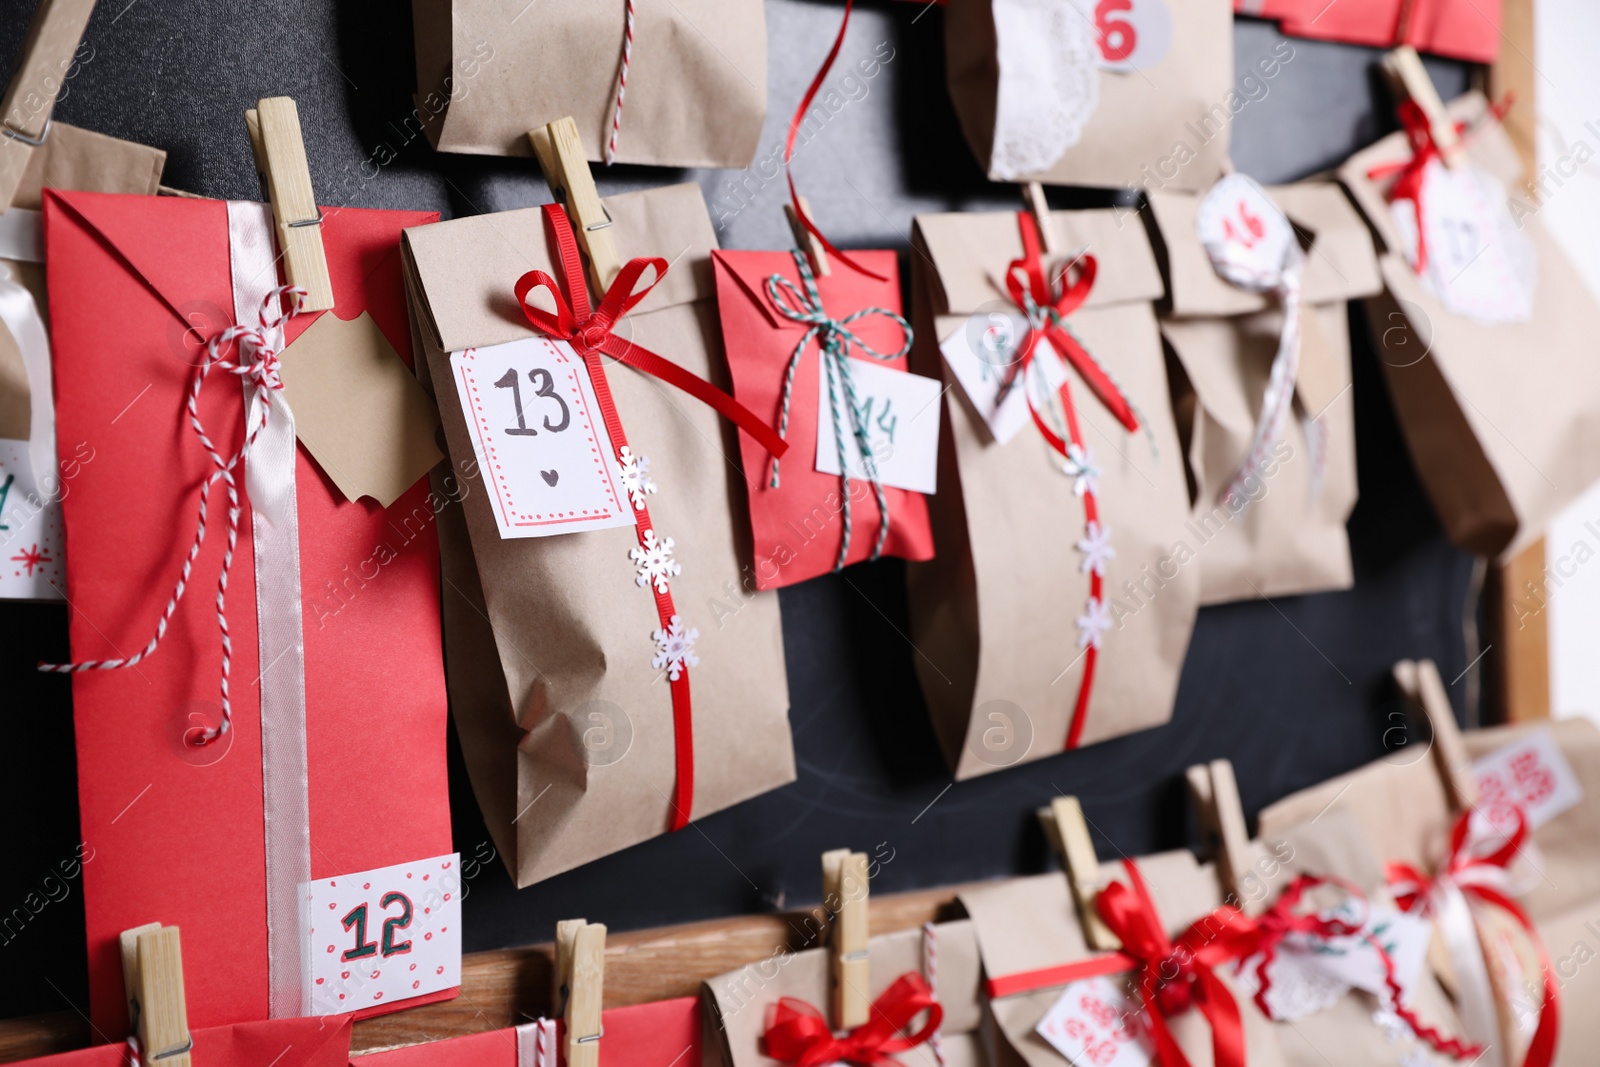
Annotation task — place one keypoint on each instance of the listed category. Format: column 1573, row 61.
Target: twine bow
column 1477, row 870
column 797, row 1033
column 834, row 340
column 254, row 359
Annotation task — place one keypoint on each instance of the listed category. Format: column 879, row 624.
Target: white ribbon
column 269, row 468
column 1480, row 1019
column 536, row 1044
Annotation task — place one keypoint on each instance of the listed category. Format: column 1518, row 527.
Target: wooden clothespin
column 1419, row 681
column 580, row 980
column 25, row 110
column 274, row 125
column 560, row 153
column 1406, row 69
column 1068, row 833
column 152, row 976
column 805, row 239
column 1215, row 793
column 844, row 898
column 1039, row 208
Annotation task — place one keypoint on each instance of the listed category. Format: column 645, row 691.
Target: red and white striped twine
column 930, row 971
column 261, row 367
column 133, row 1051
column 622, row 86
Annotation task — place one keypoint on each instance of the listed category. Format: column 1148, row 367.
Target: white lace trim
column 1049, row 84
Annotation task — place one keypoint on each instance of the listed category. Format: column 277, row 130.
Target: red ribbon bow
column 1176, row 975
column 591, row 335
column 797, row 1033
column 1479, row 877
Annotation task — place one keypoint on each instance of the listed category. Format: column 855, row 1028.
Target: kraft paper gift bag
column 1273, row 482
column 747, row 1009
column 1074, row 93
column 801, row 373
column 275, row 1043
column 1055, row 1000
column 664, row 1033
column 695, row 74
column 241, row 748
column 1058, row 606
column 570, row 656
column 32, row 476
column 1485, row 353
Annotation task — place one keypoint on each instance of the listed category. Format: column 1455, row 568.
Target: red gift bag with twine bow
column 611, row 684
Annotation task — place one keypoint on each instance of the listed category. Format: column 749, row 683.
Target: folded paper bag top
column 1284, row 533
column 162, row 813
column 569, row 726
column 1001, row 610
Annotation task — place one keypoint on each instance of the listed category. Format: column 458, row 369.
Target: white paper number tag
column 539, row 439
column 380, row 936
column 981, row 355
column 1095, row 1023
column 1479, row 264
column 1531, row 774
column 30, row 530
column 900, row 413
column 1249, row 240
column 1132, row 34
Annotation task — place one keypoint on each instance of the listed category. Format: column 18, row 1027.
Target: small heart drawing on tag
column 374, row 974
column 439, row 971
column 550, row 477
column 344, row 974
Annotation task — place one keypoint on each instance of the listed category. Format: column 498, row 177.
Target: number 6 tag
column 1132, row 34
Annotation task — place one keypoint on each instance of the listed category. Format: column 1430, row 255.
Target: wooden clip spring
column 1419, row 681
column 844, row 898
column 274, row 126
column 1068, row 833
column 560, row 153
column 1215, row 793
column 1411, row 77
column 805, row 239
column 25, row 110
column 580, row 981
column 152, row 976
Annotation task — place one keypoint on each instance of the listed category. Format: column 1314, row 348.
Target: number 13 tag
column 539, row 439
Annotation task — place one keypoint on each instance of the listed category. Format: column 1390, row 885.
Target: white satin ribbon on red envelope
column 269, row 478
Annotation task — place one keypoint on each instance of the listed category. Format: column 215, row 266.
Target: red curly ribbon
column 797, row 1033
column 1481, row 879
column 591, row 336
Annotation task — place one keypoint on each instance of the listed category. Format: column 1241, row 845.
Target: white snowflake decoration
column 635, row 473
column 655, row 562
column 1097, row 550
column 1093, row 623
column 675, row 649
column 1081, row 469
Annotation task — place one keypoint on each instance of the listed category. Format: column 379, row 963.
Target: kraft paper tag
column 900, row 413
column 358, row 410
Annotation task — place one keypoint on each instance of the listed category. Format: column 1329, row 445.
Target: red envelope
column 663, row 1034
column 1460, row 29
column 173, row 841
column 798, row 527
column 321, row 1042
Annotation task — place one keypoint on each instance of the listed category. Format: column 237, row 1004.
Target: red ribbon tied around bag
column 1482, row 877
column 797, row 1033
column 1174, row 976
column 591, row 335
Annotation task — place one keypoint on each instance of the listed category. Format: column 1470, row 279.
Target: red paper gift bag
column 351, row 783
column 275, row 1043
column 1460, row 29
column 811, row 522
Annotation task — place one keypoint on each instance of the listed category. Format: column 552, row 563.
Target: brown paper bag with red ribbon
column 612, row 681
column 1486, row 352
column 1130, row 94
column 1057, row 609
column 682, row 84
column 1278, row 528
column 938, row 961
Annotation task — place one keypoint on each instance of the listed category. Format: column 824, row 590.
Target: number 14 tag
column 539, row 439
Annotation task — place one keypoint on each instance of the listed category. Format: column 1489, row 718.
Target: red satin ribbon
column 1286, row 917
column 590, row 335
column 1175, row 975
column 788, row 151
column 1461, row 865
column 797, row 1033
column 1030, row 290
column 1408, row 183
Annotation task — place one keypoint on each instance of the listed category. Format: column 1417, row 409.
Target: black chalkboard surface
column 1292, row 690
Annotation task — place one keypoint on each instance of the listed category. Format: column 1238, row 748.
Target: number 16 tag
column 539, row 439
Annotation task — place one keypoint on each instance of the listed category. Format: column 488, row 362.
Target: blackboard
column 1292, row 691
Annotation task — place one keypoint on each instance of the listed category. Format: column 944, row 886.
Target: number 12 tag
column 539, row 439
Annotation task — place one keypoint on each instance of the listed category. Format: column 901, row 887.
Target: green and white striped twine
column 834, row 338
